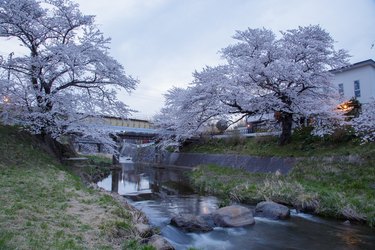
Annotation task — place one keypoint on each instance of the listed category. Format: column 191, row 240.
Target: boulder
column 272, row 210
column 191, row 223
column 160, row 243
column 209, row 219
column 144, row 230
column 233, row 216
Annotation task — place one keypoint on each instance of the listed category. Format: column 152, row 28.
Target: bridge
column 131, row 133
column 123, row 134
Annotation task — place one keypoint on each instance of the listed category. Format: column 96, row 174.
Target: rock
column 160, row 243
column 272, row 210
column 144, row 230
column 233, row 216
column 346, row 223
column 209, row 219
column 191, row 223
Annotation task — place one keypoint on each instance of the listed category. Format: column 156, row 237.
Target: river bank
column 162, row 192
column 332, row 189
column 333, row 176
column 44, row 205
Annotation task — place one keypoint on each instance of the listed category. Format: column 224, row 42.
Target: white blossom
column 364, row 125
column 66, row 74
column 262, row 74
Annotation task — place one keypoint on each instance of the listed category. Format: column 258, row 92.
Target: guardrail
column 275, row 133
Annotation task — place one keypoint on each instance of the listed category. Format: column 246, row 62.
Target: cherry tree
column 264, row 74
column 364, row 124
column 64, row 73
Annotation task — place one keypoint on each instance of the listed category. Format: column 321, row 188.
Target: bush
column 265, row 140
column 304, row 134
column 235, row 139
column 341, row 135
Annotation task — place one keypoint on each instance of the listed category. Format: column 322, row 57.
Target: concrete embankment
column 250, row 163
column 255, row 164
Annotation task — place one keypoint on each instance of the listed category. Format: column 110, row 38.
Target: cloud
column 163, row 41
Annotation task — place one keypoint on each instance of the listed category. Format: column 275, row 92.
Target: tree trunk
column 59, row 150
column 286, row 128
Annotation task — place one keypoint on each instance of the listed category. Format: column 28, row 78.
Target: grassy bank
column 44, row 206
column 302, row 145
column 334, row 187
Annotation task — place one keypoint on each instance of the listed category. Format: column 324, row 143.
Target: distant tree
column 364, row 124
column 185, row 111
column 263, row 74
column 65, row 73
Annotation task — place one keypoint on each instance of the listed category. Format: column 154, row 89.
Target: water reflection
column 133, row 180
column 164, row 192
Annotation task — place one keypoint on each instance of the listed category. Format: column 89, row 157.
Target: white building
column 356, row 80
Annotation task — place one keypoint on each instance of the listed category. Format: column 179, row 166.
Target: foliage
column 63, row 74
column 365, row 123
column 352, row 108
column 262, row 75
column 303, row 144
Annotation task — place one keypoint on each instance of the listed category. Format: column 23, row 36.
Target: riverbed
column 162, row 192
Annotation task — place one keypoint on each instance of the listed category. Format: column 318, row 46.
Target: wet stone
column 191, row 223
column 272, row 210
column 233, row 216
column 160, row 243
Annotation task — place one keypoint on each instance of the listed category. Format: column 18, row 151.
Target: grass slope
column 44, row 206
column 321, row 184
column 302, row 145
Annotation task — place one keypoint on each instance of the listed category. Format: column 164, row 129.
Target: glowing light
column 6, row 99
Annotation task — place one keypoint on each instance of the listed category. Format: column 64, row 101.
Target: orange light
column 6, row 99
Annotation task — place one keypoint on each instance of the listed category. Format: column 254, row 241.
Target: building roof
column 368, row 62
column 123, row 129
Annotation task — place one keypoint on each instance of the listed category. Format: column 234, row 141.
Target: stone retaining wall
column 249, row 163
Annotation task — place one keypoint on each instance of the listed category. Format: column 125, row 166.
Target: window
column 341, row 89
column 357, row 89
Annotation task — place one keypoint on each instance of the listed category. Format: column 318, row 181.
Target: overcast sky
column 161, row 42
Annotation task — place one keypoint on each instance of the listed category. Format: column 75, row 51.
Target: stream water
column 163, row 192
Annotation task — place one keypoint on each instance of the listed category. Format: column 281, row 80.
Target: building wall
column 366, row 77
column 131, row 123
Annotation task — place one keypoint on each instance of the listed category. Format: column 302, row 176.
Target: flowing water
column 163, row 192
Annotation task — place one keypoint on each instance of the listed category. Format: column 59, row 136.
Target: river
column 161, row 192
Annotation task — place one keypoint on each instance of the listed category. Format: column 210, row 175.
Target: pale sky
column 161, row 42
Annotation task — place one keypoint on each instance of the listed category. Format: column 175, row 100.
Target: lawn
column 43, row 205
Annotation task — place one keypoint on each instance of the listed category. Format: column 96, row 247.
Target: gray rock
column 209, row 219
column 346, row 223
column 272, row 210
column 191, row 223
column 160, row 243
column 233, row 216
column 144, row 230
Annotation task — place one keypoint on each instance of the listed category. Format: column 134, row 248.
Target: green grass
column 339, row 190
column 45, row 206
column 99, row 159
column 302, row 145
column 321, row 184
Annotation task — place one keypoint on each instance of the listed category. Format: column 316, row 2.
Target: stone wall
column 249, row 163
